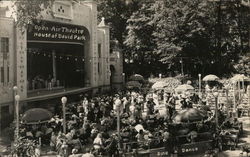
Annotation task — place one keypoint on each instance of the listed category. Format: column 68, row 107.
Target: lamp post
column 64, row 101
column 199, row 85
column 234, row 97
column 123, row 79
column 182, row 73
column 216, row 94
column 118, row 109
column 227, row 91
column 15, row 88
column 248, row 93
column 17, row 98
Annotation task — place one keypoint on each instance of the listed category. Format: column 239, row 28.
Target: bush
column 23, row 147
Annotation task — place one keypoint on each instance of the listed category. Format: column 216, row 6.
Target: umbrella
column 136, row 77
column 39, row 134
column 139, row 127
column 159, row 85
column 189, row 115
column 36, row 115
column 184, row 87
column 88, row 155
column 133, row 84
column 210, row 78
column 239, row 77
column 48, row 131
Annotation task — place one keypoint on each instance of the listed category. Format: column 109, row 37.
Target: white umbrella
column 184, row 87
column 238, row 77
column 211, row 78
column 139, row 127
column 159, row 85
column 88, row 155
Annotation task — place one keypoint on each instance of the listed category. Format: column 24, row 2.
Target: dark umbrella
column 133, row 84
column 189, row 115
column 36, row 115
column 136, row 77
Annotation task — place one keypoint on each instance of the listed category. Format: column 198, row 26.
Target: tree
column 28, row 10
column 243, row 65
column 170, row 29
column 185, row 32
column 198, row 33
column 116, row 13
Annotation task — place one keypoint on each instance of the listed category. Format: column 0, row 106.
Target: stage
column 45, row 94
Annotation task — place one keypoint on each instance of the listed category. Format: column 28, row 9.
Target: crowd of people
column 91, row 124
column 144, row 121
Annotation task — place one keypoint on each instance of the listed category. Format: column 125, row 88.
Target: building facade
column 68, row 51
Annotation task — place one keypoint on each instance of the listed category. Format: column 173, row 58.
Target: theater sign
column 53, row 31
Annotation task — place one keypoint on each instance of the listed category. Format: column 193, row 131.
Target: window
column 98, row 68
column 4, row 48
column 63, row 10
column 8, row 74
column 4, row 45
column 99, row 50
column 2, row 75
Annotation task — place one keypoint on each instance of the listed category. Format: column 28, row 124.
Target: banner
column 53, row 31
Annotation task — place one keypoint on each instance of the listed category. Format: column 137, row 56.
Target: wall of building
column 7, row 62
column 84, row 14
column 116, row 60
column 104, row 53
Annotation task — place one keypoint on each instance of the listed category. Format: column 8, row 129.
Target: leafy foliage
column 200, row 33
column 116, row 13
column 243, row 65
column 23, row 147
column 27, row 10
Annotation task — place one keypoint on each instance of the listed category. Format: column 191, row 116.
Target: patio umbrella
column 211, row 78
column 239, row 77
column 133, row 84
column 189, row 115
column 88, row 155
column 136, row 77
column 184, row 87
column 36, row 116
column 159, row 85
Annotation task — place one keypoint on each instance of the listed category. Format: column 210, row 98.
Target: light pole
column 199, row 85
column 216, row 94
column 17, row 98
column 15, row 88
column 248, row 93
column 118, row 109
column 227, row 91
column 234, row 97
column 182, row 73
column 64, row 101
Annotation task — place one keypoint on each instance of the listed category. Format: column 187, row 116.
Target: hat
column 74, row 151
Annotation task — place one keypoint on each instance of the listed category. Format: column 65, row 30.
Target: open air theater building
column 61, row 55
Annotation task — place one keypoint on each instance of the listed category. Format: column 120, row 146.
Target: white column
column 199, row 85
column 54, row 64
column 64, row 101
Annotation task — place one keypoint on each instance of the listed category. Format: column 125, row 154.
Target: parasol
column 211, row 78
column 184, row 87
column 238, row 77
column 189, row 115
column 36, row 116
column 133, row 84
column 88, row 155
column 136, row 77
column 139, row 127
column 159, row 85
